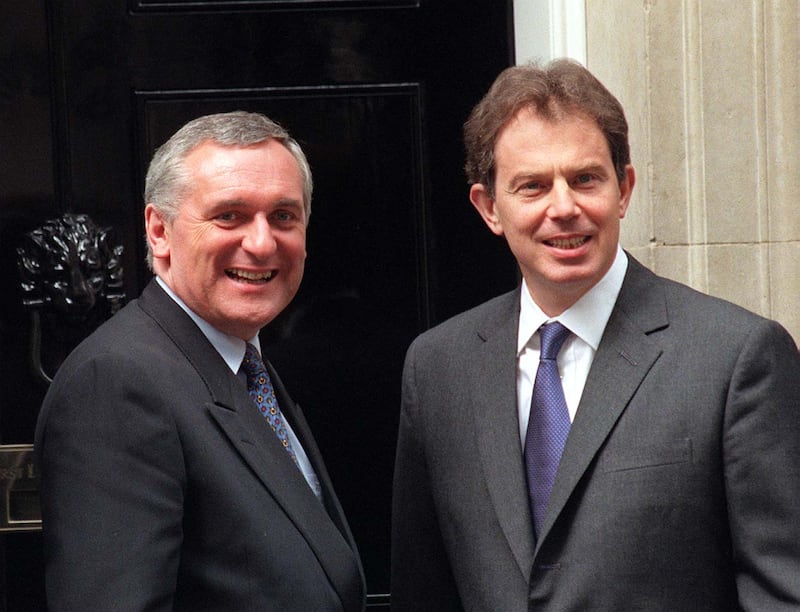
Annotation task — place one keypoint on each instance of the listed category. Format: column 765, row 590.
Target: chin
column 572, row 280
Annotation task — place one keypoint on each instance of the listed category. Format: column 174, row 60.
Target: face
column 558, row 203
column 235, row 252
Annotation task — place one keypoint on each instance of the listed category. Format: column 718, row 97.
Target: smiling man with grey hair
column 177, row 472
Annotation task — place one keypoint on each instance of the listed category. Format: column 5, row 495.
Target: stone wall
column 710, row 88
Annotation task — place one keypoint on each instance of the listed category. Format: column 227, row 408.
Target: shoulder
column 126, row 350
column 688, row 313
column 126, row 333
column 114, row 376
column 478, row 322
column 689, row 302
column 644, row 290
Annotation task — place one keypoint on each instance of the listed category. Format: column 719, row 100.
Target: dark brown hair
column 562, row 87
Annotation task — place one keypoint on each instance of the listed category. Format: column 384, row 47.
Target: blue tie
column 548, row 424
column 259, row 385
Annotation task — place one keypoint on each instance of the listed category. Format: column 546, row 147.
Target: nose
column 259, row 239
column 563, row 204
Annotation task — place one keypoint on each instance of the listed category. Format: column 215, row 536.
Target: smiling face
column 236, row 250
column 558, row 202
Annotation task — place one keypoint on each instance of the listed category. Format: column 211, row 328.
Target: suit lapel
column 493, row 380
column 623, row 359
column 231, row 407
column 262, row 451
column 301, row 428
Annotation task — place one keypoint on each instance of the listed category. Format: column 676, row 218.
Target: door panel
column 375, row 92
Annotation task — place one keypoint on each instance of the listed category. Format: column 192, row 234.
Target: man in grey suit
column 678, row 485
column 176, row 471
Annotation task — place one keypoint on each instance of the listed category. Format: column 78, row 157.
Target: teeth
column 568, row 243
column 250, row 276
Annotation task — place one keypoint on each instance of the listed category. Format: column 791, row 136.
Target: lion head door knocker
column 71, row 278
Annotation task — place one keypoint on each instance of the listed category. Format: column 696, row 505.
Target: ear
column 158, row 232
column 626, row 189
column 486, row 207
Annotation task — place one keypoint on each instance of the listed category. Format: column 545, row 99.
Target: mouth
column 567, row 243
column 243, row 276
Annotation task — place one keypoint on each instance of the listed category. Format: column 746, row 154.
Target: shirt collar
column 587, row 317
column 230, row 348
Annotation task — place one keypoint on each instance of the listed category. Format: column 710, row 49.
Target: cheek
column 613, row 220
column 298, row 269
column 294, row 250
column 523, row 222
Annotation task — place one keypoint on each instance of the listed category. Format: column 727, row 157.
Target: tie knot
column 552, row 336
column 252, row 363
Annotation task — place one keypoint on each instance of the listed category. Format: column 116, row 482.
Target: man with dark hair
column 176, row 471
column 601, row 438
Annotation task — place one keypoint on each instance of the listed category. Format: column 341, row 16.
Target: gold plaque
column 19, row 489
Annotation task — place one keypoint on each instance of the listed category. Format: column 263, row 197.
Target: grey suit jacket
column 164, row 489
column 679, row 487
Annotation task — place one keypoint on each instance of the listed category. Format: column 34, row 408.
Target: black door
column 376, row 91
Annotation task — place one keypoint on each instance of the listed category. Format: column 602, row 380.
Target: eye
column 590, row 178
column 530, row 188
column 285, row 216
column 228, row 218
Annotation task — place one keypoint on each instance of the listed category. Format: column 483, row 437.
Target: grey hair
column 168, row 179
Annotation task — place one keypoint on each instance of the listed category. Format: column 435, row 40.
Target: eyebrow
column 290, row 202
column 240, row 203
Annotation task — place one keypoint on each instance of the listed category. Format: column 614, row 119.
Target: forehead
column 554, row 137
column 267, row 168
column 259, row 177
column 527, row 123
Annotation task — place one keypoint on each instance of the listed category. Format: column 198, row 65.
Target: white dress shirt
column 586, row 319
column 232, row 350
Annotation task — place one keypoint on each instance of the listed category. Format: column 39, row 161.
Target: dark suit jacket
column 678, row 489
column 163, row 489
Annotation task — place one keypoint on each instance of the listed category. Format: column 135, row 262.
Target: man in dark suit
column 675, row 482
column 163, row 486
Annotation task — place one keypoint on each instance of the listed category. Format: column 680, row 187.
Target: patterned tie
column 260, row 387
column 548, row 424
